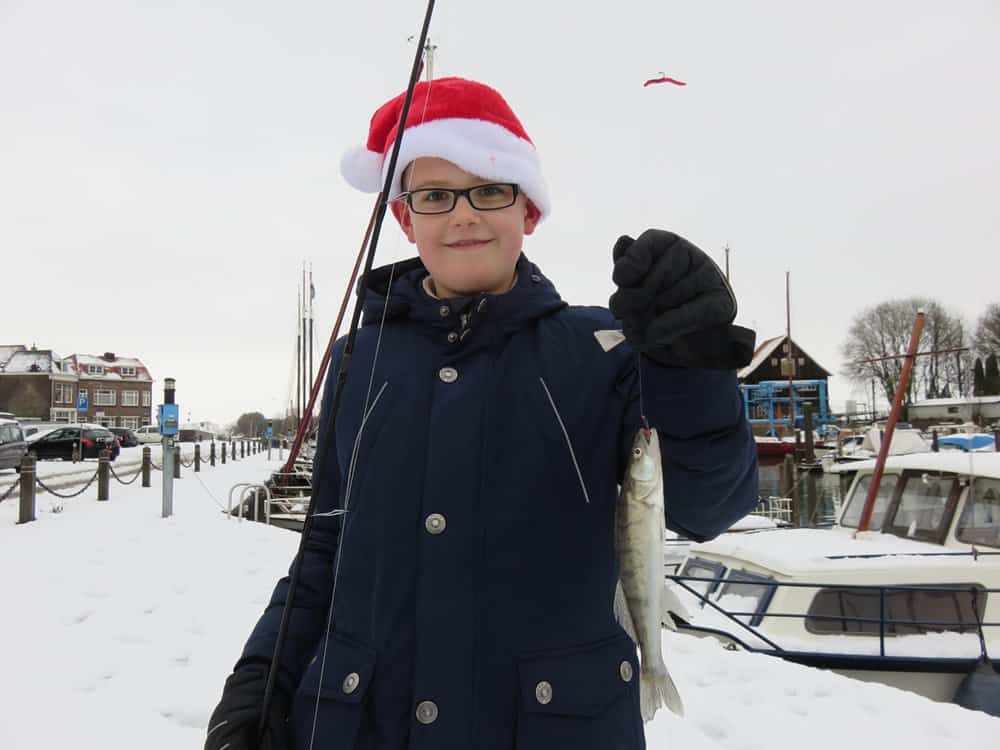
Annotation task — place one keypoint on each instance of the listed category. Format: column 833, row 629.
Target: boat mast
column 298, row 360
column 311, row 294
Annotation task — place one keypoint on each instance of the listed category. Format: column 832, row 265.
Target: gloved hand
column 235, row 722
column 675, row 305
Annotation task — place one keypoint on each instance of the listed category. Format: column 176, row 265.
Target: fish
column 640, row 528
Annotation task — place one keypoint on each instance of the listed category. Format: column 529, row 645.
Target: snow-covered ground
column 120, row 627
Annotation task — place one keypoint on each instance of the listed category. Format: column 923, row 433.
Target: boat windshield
column 980, row 521
column 925, row 507
column 856, row 502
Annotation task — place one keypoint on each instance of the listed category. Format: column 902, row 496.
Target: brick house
column 119, row 390
column 35, row 384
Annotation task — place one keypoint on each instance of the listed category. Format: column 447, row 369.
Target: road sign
column 81, row 403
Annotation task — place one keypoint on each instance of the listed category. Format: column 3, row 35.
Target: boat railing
column 886, row 623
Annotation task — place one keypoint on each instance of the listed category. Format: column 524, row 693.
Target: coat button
column 351, row 683
column 427, row 712
column 448, row 374
column 543, row 693
column 626, row 671
column 444, row 310
column 452, row 337
column 536, row 278
column 435, row 523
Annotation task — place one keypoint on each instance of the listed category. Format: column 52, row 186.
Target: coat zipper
column 572, row 453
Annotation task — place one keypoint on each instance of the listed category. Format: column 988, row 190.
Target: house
column 764, row 384
column 35, row 384
column 118, row 390
column 982, row 410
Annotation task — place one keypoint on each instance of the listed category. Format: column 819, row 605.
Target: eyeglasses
column 490, row 197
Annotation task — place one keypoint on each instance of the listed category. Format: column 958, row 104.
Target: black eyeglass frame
column 456, row 194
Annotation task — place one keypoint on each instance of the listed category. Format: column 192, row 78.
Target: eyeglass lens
column 482, row 198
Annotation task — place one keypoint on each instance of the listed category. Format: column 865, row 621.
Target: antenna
column 429, row 50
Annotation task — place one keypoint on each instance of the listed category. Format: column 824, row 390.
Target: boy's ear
column 402, row 213
column 531, row 217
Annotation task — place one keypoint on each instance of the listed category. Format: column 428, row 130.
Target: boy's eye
column 435, row 195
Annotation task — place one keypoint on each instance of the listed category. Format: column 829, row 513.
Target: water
column 828, row 489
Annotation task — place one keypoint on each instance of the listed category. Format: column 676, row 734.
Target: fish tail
column 657, row 688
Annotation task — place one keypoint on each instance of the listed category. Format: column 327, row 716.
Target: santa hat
column 464, row 122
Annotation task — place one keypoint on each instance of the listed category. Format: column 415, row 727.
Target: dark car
column 12, row 445
column 125, row 436
column 59, row 443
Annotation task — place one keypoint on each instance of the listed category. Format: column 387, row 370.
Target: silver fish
column 640, row 530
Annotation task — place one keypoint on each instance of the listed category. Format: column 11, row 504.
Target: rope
column 158, row 468
column 10, row 491
column 221, row 506
column 51, row 491
column 186, row 465
column 123, row 481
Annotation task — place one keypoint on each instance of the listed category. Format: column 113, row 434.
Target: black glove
column 235, row 723
column 675, row 305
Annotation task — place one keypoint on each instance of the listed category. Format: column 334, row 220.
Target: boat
column 977, row 442
column 905, row 440
column 913, row 603
column 769, row 447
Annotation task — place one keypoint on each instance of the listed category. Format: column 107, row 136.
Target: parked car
column 148, row 434
column 59, row 443
column 126, row 437
column 12, row 444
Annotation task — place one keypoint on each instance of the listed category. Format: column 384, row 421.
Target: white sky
column 166, row 168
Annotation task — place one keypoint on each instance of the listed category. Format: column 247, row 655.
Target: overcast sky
column 165, row 168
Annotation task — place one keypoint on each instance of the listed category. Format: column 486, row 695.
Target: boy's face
column 466, row 251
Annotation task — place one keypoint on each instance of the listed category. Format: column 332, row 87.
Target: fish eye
column 636, row 452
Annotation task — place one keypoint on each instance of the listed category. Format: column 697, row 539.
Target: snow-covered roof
column 22, row 362
column 80, row 363
column 6, row 350
column 975, row 464
column 766, row 349
column 957, row 401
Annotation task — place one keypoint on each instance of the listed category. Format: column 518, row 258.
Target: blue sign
column 268, row 431
column 81, row 403
column 170, row 415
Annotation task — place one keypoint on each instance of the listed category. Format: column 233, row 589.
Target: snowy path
column 120, row 627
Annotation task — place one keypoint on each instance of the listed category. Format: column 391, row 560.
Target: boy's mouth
column 466, row 244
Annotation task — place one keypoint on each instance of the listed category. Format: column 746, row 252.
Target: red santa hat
column 462, row 121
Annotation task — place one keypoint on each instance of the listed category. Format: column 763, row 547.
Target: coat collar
column 461, row 320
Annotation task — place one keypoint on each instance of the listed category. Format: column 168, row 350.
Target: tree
column 979, row 378
column 250, row 424
column 987, row 337
column 885, row 329
column 991, row 381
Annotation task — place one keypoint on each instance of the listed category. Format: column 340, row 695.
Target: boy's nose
column 464, row 213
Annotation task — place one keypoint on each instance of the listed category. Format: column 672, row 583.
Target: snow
column 981, row 464
column 123, row 627
column 22, row 362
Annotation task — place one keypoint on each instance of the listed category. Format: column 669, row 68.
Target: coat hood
column 485, row 315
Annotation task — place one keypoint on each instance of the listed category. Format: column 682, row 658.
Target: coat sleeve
column 312, row 597
column 709, row 458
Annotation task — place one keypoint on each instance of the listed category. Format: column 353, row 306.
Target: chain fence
column 51, row 491
column 10, row 491
column 124, row 481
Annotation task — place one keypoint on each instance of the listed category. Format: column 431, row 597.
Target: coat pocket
column 581, row 697
column 328, row 706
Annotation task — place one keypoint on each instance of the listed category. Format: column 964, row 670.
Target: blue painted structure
column 767, row 402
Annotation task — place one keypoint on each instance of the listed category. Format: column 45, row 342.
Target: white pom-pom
column 362, row 169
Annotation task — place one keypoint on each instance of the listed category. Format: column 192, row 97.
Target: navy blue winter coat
column 478, row 554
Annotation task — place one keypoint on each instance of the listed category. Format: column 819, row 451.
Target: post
column 169, row 455
column 996, row 440
column 103, row 473
column 810, row 497
column 177, row 462
column 26, row 507
column 232, row 450
column 223, row 454
column 243, row 448
column 211, row 453
column 269, row 442
column 197, row 457
column 807, row 416
column 934, row 442
column 788, row 475
column 147, row 461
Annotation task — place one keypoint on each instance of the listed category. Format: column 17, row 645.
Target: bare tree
column 884, row 330
column 986, row 339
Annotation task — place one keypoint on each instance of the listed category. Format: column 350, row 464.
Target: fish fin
column 609, row 339
column 622, row 613
column 670, row 603
column 657, row 688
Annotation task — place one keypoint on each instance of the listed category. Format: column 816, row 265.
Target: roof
column 766, row 349
column 6, row 350
column 79, row 362
column 973, row 464
column 956, row 401
column 29, row 361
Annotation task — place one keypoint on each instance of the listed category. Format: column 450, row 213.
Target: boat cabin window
column 856, row 502
column 980, row 520
column 908, row 611
column 925, row 507
column 696, row 567
column 748, row 594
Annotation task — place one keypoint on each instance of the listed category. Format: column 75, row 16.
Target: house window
column 106, row 421
column 130, row 423
column 104, row 398
column 130, row 398
column 146, row 398
column 63, row 393
column 127, row 372
column 95, row 369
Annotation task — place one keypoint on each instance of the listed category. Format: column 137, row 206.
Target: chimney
column 109, row 356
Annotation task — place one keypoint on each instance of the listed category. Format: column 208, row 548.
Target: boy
column 482, row 434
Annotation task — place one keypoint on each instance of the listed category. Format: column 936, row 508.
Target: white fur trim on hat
column 362, row 169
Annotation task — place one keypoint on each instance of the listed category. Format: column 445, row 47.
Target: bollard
column 996, row 440
column 26, row 508
column 807, row 416
column 223, row 453
column 934, row 442
column 177, row 462
column 243, row 449
column 211, row 454
column 103, row 473
column 147, row 464
column 197, row 457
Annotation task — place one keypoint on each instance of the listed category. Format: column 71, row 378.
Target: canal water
column 828, row 490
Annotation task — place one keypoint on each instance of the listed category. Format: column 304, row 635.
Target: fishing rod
column 325, row 455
